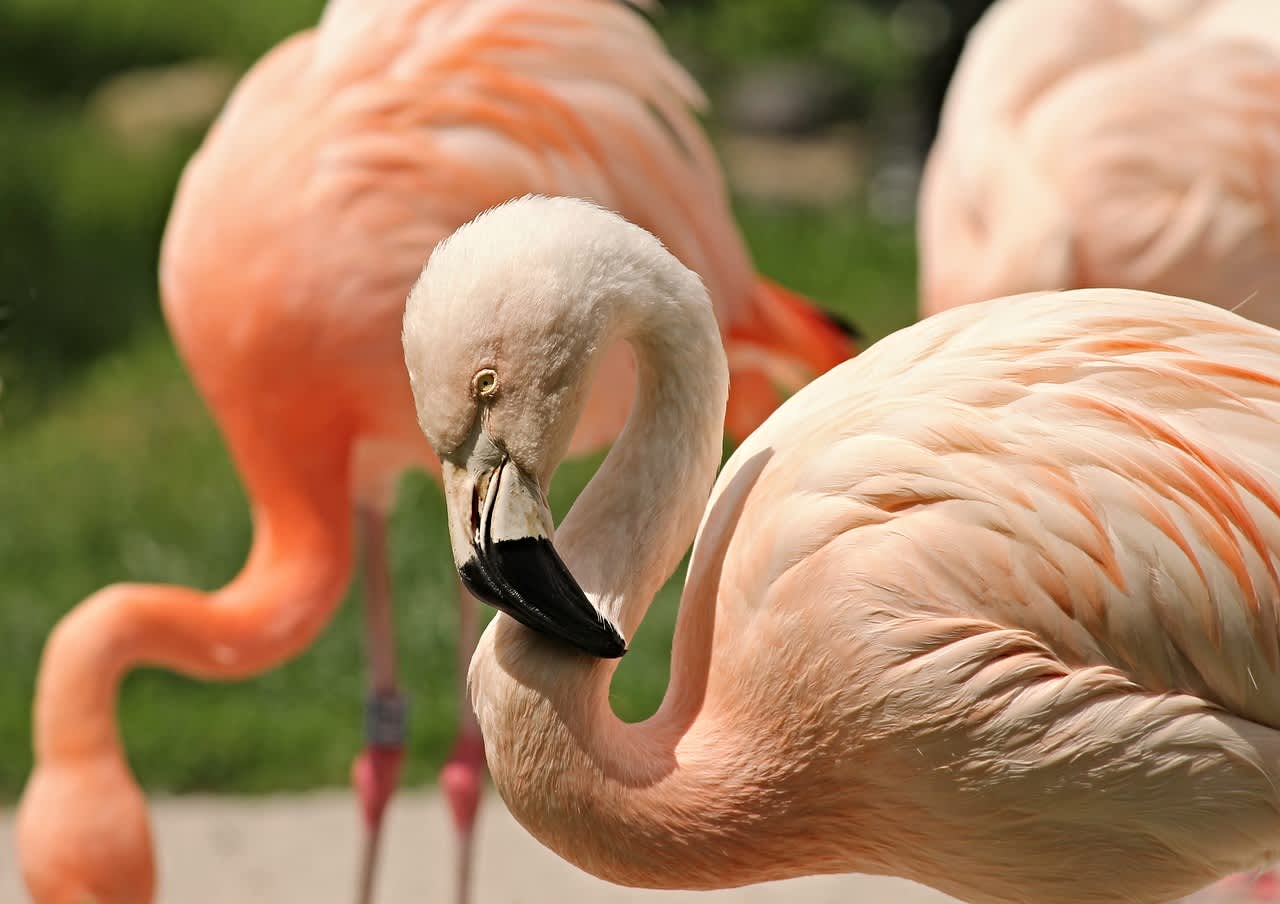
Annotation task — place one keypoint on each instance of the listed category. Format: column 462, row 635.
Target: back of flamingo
column 397, row 121
column 1099, row 143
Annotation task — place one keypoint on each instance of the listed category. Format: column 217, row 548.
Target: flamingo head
column 502, row 334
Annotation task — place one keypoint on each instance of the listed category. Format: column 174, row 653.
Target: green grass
column 842, row 259
column 126, row 479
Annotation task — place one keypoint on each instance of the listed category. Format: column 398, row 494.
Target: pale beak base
column 499, row 526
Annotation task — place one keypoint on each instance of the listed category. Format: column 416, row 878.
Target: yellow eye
column 486, row 382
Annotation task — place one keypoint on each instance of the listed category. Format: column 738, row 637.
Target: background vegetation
column 110, row 468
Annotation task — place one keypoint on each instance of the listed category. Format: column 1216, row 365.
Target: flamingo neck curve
column 624, row 800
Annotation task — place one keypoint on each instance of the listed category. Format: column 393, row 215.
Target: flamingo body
column 992, row 607
column 1110, row 142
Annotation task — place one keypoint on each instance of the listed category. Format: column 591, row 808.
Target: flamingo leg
column 463, row 775
column 376, row 770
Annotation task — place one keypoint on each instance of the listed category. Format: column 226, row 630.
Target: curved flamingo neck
column 294, row 578
column 571, row 772
column 634, row 521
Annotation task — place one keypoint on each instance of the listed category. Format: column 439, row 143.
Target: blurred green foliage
column 851, row 42
column 110, row 469
column 83, row 214
column 69, row 45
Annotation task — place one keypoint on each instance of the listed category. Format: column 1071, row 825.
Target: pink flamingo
column 1097, row 143
column 298, row 228
column 1110, row 143
column 992, row 607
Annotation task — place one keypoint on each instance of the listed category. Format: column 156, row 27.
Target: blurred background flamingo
column 297, row 230
column 1100, row 143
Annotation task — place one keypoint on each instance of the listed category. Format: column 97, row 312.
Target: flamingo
column 297, row 230
column 1109, row 143
column 992, row 607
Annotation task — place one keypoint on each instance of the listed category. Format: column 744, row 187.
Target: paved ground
column 301, row 850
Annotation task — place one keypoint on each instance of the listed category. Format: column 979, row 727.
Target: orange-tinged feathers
column 391, row 125
column 1099, row 448
column 778, row 345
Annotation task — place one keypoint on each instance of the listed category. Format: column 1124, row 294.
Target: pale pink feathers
column 1110, row 143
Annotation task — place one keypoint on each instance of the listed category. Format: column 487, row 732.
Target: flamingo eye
column 485, row 382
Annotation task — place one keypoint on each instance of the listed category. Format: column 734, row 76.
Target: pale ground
column 301, row 850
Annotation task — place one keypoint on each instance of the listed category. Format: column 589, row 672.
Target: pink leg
column 376, row 771
column 463, row 776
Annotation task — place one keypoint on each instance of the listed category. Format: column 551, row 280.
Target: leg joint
column 386, row 719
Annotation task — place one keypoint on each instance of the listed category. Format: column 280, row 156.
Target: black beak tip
column 609, row 645
column 527, row 580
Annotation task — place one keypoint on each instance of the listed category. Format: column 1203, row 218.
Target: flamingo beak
column 501, row 528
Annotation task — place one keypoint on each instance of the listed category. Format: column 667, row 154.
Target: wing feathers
column 1098, row 467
